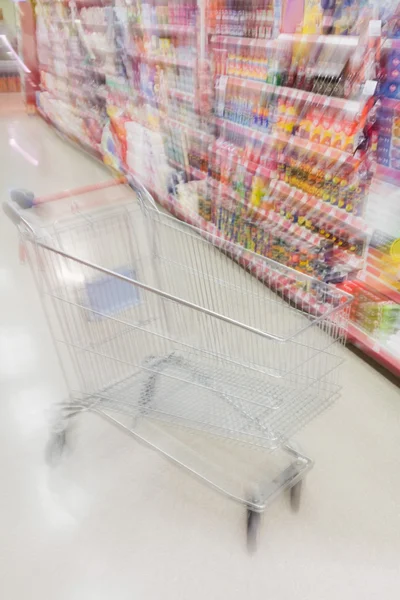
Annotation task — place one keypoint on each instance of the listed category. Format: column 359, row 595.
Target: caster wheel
column 295, row 495
column 55, row 447
column 253, row 526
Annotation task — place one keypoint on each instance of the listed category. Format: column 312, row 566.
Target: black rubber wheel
column 253, row 526
column 55, row 447
column 295, row 496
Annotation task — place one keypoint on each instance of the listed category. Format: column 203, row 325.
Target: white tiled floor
column 114, row 520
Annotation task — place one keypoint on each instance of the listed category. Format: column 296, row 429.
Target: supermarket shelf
column 53, row 73
column 81, row 112
column 334, row 40
column 386, row 272
column 165, row 60
column 326, row 151
column 166, row 29
column 332, row 211
column 102, row 27
column 81, row 3
column 83, row 95
column 388, row 174
column 225, row 40
column 390, row 103
column 379, row 284
column 77, row 142
column 86, row 72
column 391, row 43
column 190, row 130
column 247, row 164
column 217, row 31
column 227, row 191
column 375, row 349
column 186, row 96
column 353, row 106
column 192, row 171
column 339, row 156
column 259, row 216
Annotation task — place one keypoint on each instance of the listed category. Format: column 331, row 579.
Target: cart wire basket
column 160, row 332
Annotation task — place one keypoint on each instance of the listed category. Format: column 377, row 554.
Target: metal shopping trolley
column 161, row 333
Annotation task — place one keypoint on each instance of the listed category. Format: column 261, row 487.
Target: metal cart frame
column 163, row 331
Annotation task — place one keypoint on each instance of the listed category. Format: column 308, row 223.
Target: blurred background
column 274, row 127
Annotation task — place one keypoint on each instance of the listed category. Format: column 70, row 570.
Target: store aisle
column 115, row 520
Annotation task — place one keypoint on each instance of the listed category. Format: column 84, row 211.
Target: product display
column 9, row 69
column 301, row 109
column 378, row 335
column 236, row 125
column 243, row 18
column 342, row 17
column 388, row 123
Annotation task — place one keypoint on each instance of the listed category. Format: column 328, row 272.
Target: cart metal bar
column 286, row 479
column 162, row 335
column 167, row 296
column 13, row 210
column 78, row 191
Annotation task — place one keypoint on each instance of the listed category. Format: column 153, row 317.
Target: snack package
column 313, row 15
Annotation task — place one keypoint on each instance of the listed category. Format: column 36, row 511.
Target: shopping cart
column 161, row 333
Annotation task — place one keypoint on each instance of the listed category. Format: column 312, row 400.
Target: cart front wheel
column 55, row 447
column 253, row 526
column 295, row 495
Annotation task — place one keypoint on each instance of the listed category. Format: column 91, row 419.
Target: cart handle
column 21, row 199
column 142, row 192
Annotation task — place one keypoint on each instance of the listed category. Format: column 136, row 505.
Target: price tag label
column 351, row 106
column 375, row 28
column 369, row 88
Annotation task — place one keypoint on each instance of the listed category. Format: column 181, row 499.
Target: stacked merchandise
column 378, row 333
column 163, row 75
column 341, row 17
column 244, row 18
column 292, row 164
column 9, row 80
column 388, row 156
column 145, row 156
column 382, row 277
column 375, row 322
column 9, row 74
column 71, row 74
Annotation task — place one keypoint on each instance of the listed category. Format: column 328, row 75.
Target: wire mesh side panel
column 189, row 268
column 135, row 352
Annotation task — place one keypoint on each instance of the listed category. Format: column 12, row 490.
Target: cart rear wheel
column 55, row 447
column 253, row 526
column 295, row 495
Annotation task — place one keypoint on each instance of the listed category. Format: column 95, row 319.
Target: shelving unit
column 204, row 97
column 382, row 272
column 377, row 350
column 286, row 99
